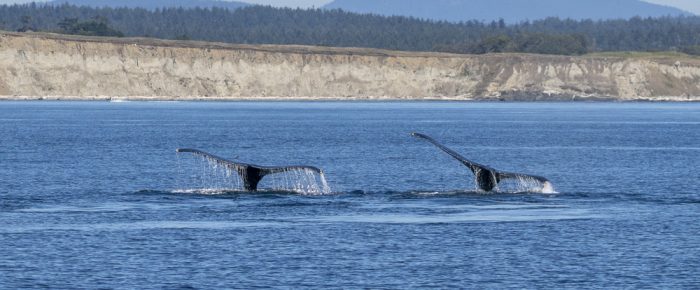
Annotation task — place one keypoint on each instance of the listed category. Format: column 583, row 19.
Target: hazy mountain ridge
column 509, row 10
column 153, row 4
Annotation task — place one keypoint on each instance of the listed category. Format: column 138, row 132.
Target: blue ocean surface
column 93, row 195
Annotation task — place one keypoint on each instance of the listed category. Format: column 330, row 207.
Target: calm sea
column 93, row 195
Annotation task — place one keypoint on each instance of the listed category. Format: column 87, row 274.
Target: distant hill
column 153, row 4
column 509, row 10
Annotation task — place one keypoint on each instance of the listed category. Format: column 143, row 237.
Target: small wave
column 108, row 207
column 208, row 191
column 469, row 207
column 137, row 226
column 480, row 216
column 112, row 207
column 407, row 194
column 548, row 189
column 221, row 192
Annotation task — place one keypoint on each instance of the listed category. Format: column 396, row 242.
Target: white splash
column 548, row 188
column 204, row 191
column 212, row 177
column 305, row 181
column 526, row 184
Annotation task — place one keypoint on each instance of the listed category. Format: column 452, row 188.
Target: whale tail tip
column 252, row 174
column 488, row 178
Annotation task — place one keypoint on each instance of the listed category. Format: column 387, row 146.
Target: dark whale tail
column 487, row 178
column 251, row 174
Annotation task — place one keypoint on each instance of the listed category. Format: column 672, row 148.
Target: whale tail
column 487, row 178
column 251, row 174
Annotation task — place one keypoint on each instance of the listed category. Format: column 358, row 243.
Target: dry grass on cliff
column 304, row 49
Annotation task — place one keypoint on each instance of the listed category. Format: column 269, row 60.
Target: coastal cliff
column 51, row 66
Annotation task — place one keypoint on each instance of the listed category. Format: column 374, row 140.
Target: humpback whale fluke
column 251, row 174
column 487, row 178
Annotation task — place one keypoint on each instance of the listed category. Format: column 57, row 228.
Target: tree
column 268, row 25
column 491, row 44
column 68, row 24
column 26, row 21
column 692, row 50
column 97, row 26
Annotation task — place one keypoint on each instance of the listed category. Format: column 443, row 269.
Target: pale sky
column 689, row 5
column 292, row 3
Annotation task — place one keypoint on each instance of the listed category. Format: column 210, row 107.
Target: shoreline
column 576, row 99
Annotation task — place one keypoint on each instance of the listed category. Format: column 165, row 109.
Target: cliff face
column 54, row 66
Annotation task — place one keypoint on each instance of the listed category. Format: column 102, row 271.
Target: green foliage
column 26, row 24
column 499, row 43
column 566, row 44
column 268, row 25
column 183, row 37
column 692, row 50
column 95, row 27
column 542, row 43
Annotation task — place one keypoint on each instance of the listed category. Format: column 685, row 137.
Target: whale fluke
column 487, row 178
column 251, row 174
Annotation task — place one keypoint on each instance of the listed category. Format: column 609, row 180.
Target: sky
column 292, row 3
column 689, row 5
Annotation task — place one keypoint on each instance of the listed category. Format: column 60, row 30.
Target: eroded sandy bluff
column 52, row 66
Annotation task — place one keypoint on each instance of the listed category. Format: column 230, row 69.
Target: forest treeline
column 268, row 25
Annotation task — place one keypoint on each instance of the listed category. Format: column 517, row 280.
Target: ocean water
column 93, row 195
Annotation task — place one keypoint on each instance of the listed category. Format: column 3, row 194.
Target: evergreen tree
column 268, row 25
